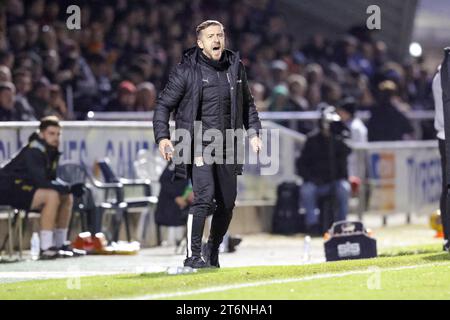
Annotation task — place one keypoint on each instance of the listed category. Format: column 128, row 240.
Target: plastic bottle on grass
column 35, row 246
column 180, row 270
column 307, row 249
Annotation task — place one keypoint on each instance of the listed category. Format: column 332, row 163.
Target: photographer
column 323, row 166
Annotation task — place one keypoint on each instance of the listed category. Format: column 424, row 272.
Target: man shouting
column 208, row 88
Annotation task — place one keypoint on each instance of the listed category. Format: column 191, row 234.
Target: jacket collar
column 191, row 56
column 36, row 141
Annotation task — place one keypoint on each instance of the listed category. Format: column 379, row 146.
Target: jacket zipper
column 220, row 103
column 231, row 99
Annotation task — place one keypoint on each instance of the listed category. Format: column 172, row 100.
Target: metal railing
column 415, row 115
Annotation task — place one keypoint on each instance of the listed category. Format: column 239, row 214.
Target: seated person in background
column 185, row 200
column 28, row 182
column 168, row 213
column 323, row 166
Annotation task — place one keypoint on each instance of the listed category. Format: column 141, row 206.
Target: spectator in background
column 58, row 106
column 145, row 97
column 279, row 99
column 32, row 29
column 7, row 59
column 7, row 91
column 279, row 72
column 77, row 75
column 136, row 42
column 258, row 91
column 22, row 81
column 102, row 73
column 315, row 78
column 316, row 49
column 126, row 98
column 331, row 92
column 297, row 90
column 5, row 74
column 40, row 98
column 18, row 38
column 298, row 102
column 51, row 65
column 387, row 123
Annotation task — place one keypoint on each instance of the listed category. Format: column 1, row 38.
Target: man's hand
column 181, row 202
column 166, row 149
column 77, row 190
column 256, row 144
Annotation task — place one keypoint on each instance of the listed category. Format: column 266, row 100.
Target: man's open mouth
column 216, row 49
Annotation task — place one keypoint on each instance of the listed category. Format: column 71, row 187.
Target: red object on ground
column 355, row 183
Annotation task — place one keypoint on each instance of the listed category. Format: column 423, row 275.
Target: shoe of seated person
column 65, row 254
column 49, row 254
column 76, row 252
column 195, row 262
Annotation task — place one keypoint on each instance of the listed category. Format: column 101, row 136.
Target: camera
column 331, row 122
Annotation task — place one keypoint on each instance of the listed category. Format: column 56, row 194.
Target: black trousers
column 210, row 182
column 443, row 201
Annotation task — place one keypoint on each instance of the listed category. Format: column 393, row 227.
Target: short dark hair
column 49, row 121
column 206, row 24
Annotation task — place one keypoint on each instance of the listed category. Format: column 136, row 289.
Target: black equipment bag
column 349, row 240
column 286, row 216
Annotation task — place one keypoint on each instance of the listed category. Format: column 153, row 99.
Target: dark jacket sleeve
column 250, row 116
column 36, row 163
column 168, row 101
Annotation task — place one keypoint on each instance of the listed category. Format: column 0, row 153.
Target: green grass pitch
column 405, row 273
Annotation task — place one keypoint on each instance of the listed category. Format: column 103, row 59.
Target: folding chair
column 14, row 216
column 91, row 214
column 145, row 201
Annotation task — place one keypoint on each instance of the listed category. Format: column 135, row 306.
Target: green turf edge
column 132, row 285
column 423, row 283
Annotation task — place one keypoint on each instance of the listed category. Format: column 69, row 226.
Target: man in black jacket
column 209, row 87
column 323, row 167
column 28, row 181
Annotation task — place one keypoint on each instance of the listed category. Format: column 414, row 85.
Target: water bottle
column 35, row 246
column 307, row 249
column 180, row 270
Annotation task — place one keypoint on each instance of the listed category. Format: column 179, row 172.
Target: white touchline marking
column 52, row 274
column 276, row 281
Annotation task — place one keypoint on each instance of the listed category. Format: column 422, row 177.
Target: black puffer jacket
column 215, row 111
column 182, row 94
column 36, row 163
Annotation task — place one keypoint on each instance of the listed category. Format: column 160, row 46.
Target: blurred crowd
column 121, row 57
